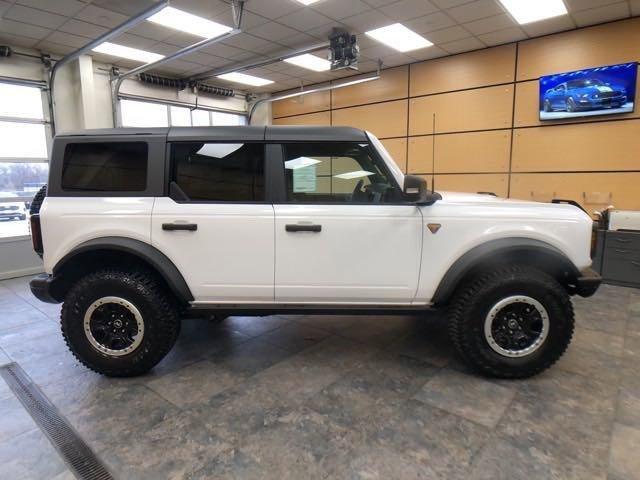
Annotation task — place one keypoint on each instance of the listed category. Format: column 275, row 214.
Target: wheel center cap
column 513, row 324
column 117, row 323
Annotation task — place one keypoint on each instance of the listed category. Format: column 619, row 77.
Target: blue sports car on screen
column 584, row 94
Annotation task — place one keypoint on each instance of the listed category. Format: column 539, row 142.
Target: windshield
column 589, row 82
column 388, row 159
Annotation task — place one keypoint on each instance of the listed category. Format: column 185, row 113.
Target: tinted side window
column 223, row 172
column 335, row 173
column 105, row 166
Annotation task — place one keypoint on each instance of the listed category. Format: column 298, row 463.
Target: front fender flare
column 492, row 251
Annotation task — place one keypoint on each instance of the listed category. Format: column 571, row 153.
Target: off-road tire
column 474, row 299
column 142, row 289
column 38, row 198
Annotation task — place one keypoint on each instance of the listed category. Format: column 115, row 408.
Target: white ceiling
column 273, row 26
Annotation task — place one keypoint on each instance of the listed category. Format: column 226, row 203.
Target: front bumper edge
column 588, row 282
column 42, row 288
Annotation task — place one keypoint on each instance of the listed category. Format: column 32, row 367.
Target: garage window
column 24, row 144
column 155, row 114
column 220, row 172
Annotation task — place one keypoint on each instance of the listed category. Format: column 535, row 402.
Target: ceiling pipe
column 300, row 93
column 260, row 63
column 238, row 8
column 155, row 8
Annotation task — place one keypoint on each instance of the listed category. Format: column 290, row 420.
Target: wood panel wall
column 470, row 121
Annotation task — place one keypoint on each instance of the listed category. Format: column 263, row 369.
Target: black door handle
column 191, row 227
column 295, row 227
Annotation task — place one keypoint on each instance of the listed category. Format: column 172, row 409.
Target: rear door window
column 219, row 172
column 105, row 167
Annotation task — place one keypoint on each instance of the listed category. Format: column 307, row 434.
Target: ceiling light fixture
column 116, row 50
column 310, row 62
column 526, row 11
column 245, row 79
column 300, row 162
column 307, row 2
column 189, row 23
column 399, row 37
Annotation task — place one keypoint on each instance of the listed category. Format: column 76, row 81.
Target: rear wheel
column 119, row 323
column 512, row 322
column 571, row 105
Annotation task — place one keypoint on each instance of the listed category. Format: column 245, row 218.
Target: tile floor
column 332, row 397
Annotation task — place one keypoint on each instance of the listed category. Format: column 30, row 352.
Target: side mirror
column 416, row 191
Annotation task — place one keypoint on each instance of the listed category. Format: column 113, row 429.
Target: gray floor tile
column 332, row 323
column 600, row 316
column 174, row 448
column 5, row 391
column 598, row 341
column 378, row 462
column 471, row 397
column 195, row 383
column 105, row 416
column 624, row 461
column 427, row 340
column 509, row 459
column 30, row 456
column 632, row 350
column 602, row 366
column 254, row 326
column 29, row 332
column 249, row 357
column 566, row 389
column 4, row 358
column 242, row 410
column 15, row 419
column 378, row 331
column 232, row 465
column 559, row 430
column 628, row 411
column 294, row 337
column 28, row 316
column 383, row 381
column 36, row 348
column 439, row 441
column 301, row 443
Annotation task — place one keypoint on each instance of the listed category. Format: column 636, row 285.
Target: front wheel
column 119, row 323
column 513, row 322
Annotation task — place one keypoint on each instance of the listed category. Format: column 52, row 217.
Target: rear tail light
column 36, row 234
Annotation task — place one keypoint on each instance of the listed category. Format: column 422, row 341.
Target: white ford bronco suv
column 140, row 227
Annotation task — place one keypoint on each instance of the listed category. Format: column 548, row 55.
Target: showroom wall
column 477, row 113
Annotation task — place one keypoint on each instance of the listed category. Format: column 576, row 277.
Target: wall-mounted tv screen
column 593, row 91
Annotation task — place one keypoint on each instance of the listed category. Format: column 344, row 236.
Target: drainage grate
column 75, row 452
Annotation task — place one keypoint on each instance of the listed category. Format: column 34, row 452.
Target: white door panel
column 363, row 254
column 229, row 258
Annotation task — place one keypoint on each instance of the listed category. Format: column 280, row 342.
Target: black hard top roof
column 236, row 133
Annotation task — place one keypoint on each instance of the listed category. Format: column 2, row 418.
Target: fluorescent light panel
column 300, row 162
column 528, row 11
column 307, row 2
column 399, row 37
column 116, row 50
column 352, row 175
column 246, row 79
column 310, row 62
column 189, row 23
